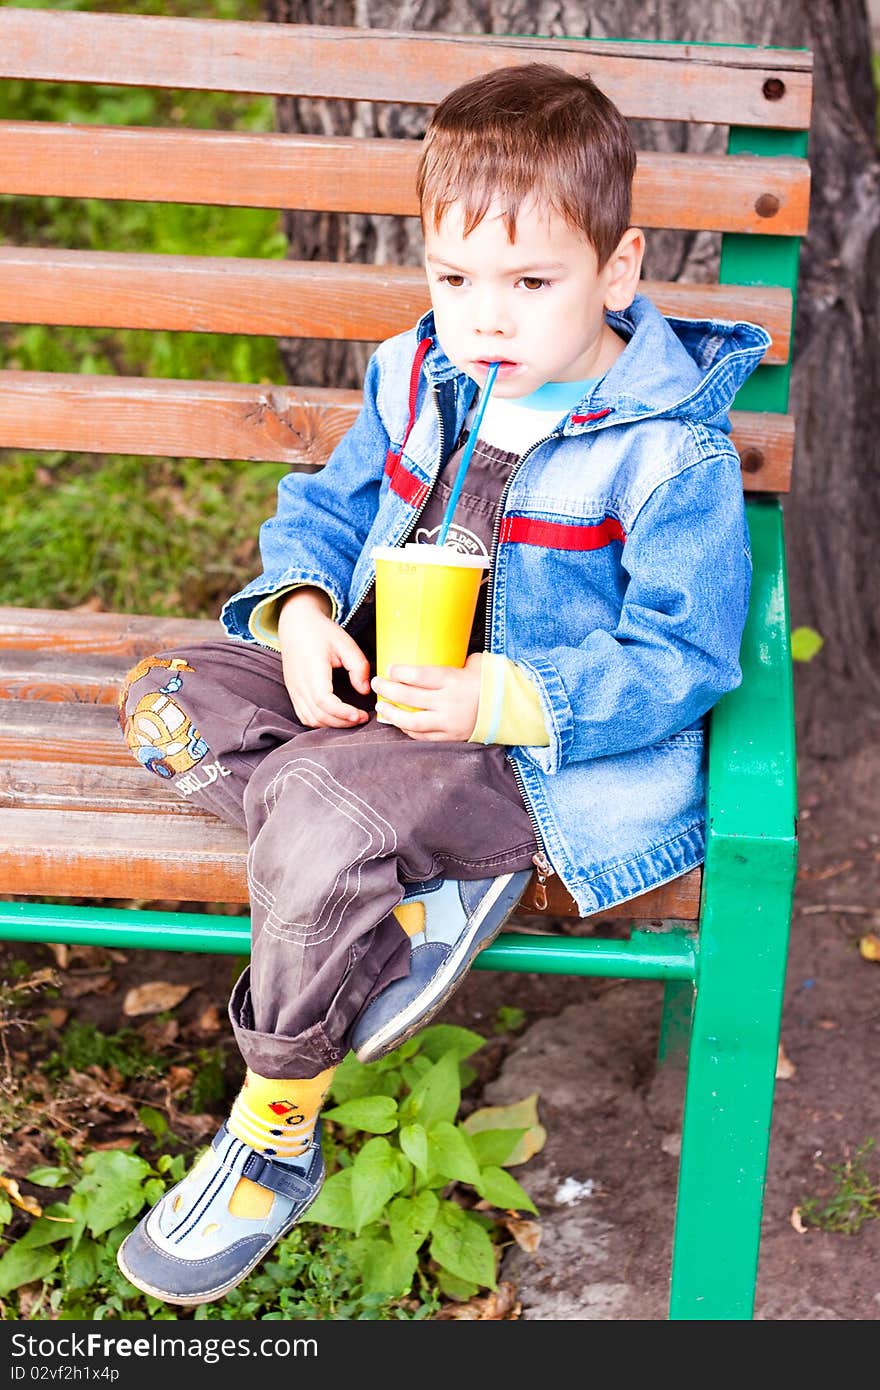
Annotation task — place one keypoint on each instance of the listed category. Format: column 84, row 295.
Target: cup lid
column 412, row 553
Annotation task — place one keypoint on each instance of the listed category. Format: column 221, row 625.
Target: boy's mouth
column 505, row 365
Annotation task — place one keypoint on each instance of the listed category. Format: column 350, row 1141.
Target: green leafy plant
column 508, row 1019
column 395, row 1228
column 394, row 1192
column 855, row 1199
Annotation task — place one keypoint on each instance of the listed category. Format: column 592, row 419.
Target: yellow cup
column 426, row 597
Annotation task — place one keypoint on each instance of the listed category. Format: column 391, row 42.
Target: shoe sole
column 193, row 1300
column 409, row 1023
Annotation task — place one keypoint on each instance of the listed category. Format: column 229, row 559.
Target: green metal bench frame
column 723, row 977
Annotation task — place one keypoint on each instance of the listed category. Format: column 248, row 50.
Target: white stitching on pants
column 380, row 841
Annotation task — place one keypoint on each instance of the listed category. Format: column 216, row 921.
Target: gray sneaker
column 189, row 1249
column 460, row 918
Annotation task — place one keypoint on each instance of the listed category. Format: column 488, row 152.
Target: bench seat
column 77, row 815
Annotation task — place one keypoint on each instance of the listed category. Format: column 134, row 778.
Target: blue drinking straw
column 466, row 455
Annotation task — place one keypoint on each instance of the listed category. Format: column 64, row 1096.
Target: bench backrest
column 756, row 195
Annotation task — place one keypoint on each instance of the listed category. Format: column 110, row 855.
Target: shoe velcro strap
column 278, row 1177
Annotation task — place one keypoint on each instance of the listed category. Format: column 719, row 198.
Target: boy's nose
column 492, row 318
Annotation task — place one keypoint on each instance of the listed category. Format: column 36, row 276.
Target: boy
column 605, row 490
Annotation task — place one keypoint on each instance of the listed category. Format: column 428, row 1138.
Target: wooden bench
column 80, row 821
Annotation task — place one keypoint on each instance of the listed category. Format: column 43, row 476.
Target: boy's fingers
column 421, row 696
column 356, row 664
column 330, row 706
column 418, row 723
column 425, row 677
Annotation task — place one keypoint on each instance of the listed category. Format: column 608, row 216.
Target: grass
column 853, row 1199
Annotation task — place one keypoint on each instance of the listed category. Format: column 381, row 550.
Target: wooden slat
column 300, row 299
column 225, row 420
column 151, row 855
column 85, row 735
column 73, row 787
column 126, row 636
column 59, row 676
column 123, row 855
column 334, row 174
column 727, row 84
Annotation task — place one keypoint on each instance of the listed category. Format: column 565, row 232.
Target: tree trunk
column 832, row 515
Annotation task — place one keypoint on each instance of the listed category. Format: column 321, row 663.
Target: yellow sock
column 411, row 917
column 277, row 1118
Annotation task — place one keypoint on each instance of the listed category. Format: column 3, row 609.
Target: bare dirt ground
column 613, row 1120
column 605, row 1180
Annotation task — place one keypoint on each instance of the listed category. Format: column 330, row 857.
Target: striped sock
column 277, row 1118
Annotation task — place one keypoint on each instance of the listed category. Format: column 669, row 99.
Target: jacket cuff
column 510, row 709
column 235, row 615
column 558, row 716
column 263, row 620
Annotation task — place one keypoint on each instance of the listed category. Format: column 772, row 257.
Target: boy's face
column 536, row 305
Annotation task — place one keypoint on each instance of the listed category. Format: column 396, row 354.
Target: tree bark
column 832, row 515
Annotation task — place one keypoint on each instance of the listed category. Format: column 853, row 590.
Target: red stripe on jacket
column 561, row 535
column 592, row 415
column 406, row 485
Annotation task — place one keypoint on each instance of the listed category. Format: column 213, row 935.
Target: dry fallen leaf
column 30, row 1298
column 180, row 1079
column 209, row 1020
column 869, row 946
column 522, row 1115
column 97, row 1090
column 153, row 998
column 76, row 985
column 502, row 1304
column 57, row 1017
column 527, row 1234
column 796, row 1221
column 18, row 1199
column 89, row 957
column 159, row 1034
column 785, row 1067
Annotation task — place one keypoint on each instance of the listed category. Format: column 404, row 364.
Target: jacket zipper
column 435, row 392
column 540, row 860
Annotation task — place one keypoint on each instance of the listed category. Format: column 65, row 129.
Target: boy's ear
column 623, row 270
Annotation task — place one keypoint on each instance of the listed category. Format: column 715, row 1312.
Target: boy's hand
column 313, row 646
column 447, row 699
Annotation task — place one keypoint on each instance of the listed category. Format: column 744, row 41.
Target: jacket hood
column 671, row 368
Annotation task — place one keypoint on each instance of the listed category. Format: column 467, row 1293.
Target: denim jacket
column 620, row 576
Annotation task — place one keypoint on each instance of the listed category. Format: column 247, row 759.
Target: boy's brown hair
column 531, row 130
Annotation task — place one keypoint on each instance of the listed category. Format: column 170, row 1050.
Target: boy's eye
column 454, row 282
column 532, row 282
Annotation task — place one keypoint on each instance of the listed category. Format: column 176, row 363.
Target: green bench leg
column 675, row 1023
column 730, row 1079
